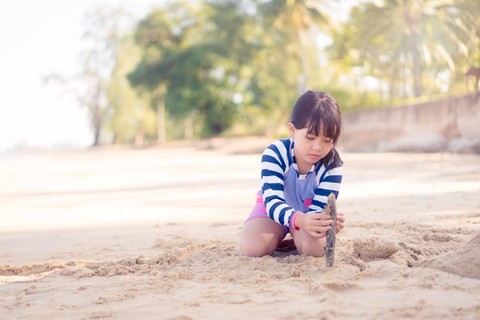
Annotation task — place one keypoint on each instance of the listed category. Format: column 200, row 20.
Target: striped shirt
column 285, row 191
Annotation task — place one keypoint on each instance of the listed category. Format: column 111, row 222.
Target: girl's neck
column 303, row 168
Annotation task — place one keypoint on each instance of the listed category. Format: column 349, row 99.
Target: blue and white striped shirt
column 284, row 191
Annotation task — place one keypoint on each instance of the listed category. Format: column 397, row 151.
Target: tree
column 161, row 34
column 297, row 19
column 102, row 37
column 404, row 37
column 131, row 119
column 198, row 56
column 103, row 32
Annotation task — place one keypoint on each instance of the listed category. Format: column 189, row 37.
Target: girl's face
column 309, row 148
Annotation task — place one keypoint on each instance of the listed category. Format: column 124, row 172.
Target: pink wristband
column 292, row 220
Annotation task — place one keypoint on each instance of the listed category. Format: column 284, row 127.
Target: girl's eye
column 328, row 140
column 310, row 137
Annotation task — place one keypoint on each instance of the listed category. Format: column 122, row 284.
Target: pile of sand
column 463, row 261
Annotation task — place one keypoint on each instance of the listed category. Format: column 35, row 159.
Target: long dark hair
column 316, row 110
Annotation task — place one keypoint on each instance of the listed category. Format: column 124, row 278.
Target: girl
column 298, row 174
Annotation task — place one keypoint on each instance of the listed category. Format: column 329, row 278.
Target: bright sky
column 39, row 38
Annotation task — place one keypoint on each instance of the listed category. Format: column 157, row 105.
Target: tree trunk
column 413, row 21
column 97, row 114
column 304, row 85
column 417, row 74
column 189, row 127
column 96, row 138
column 161, row 123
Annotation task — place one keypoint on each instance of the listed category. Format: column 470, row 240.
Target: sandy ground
column 153, row 234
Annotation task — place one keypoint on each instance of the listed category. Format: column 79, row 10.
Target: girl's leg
column 260, row 237
column 306, row 244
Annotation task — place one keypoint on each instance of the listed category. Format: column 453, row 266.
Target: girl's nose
column 317, row 146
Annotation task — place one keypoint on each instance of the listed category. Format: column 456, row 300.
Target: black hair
column 316, row 110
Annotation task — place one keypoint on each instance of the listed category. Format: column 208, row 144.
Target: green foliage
column 131, row 120
column 201, row 77
column 226, row 66
column 407, row 42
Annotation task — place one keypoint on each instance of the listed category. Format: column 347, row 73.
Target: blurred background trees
column 225, row 67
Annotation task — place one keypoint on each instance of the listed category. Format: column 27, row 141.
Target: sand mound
column 463, row 261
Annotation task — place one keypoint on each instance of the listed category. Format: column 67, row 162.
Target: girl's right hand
column 316, row 224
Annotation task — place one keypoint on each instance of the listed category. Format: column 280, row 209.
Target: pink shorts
column 259, row 211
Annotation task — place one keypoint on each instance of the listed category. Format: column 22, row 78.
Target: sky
column 39, row 38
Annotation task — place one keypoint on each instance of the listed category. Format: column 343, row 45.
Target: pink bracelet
column 292, row 220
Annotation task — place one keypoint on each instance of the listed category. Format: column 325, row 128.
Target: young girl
column 298, row 174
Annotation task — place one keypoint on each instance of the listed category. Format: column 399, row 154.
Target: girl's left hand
column 340, row 222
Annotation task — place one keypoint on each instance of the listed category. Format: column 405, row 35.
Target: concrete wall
column 451, row 124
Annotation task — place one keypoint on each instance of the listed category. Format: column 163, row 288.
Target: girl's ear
column 291, row 129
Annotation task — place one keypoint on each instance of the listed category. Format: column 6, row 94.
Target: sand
column 153, row 234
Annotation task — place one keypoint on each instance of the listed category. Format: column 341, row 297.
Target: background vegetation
column 235, row 67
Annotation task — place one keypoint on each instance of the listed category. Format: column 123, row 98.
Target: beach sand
column 120, row 233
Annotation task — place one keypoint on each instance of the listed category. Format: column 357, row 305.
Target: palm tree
column 299, row 18
column 414, row 34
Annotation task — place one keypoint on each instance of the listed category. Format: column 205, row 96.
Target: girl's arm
column 329, row 182
column 275, row 162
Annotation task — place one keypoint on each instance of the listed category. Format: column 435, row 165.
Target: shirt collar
column 294, row 161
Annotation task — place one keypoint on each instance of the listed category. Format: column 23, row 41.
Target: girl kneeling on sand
column 298, row 174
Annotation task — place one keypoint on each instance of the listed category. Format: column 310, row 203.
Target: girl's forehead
column 311, row 131
column 321, row 130
column 315, row 126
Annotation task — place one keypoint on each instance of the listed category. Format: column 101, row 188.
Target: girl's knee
column 260, row 237
column 250, row 249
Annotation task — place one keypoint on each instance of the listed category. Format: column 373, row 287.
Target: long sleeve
column 275, row 163
column 329, row 181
